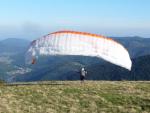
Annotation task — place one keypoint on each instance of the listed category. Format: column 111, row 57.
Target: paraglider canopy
column 79, row 43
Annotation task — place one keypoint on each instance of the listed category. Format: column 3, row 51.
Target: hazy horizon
column 32, row 19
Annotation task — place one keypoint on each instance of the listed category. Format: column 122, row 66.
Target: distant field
column 74, row 97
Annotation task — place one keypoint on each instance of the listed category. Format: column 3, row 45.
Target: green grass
column 74, row 97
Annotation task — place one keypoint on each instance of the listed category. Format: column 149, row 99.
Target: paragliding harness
column 83, row 73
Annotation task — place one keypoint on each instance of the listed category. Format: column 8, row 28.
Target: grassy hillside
column 74, row 97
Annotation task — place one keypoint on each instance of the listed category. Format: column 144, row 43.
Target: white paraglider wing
column 79, row 43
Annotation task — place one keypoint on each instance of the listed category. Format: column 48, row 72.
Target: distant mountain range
column 13, row 68
column 12, row 53
column 69, row 70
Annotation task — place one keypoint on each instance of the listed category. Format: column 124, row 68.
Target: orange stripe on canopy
column 84, row 33
column 80, row 33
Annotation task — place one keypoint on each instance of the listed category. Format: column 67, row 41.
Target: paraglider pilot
column 83, row 73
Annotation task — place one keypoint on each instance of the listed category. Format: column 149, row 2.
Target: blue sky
column 33, row 18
